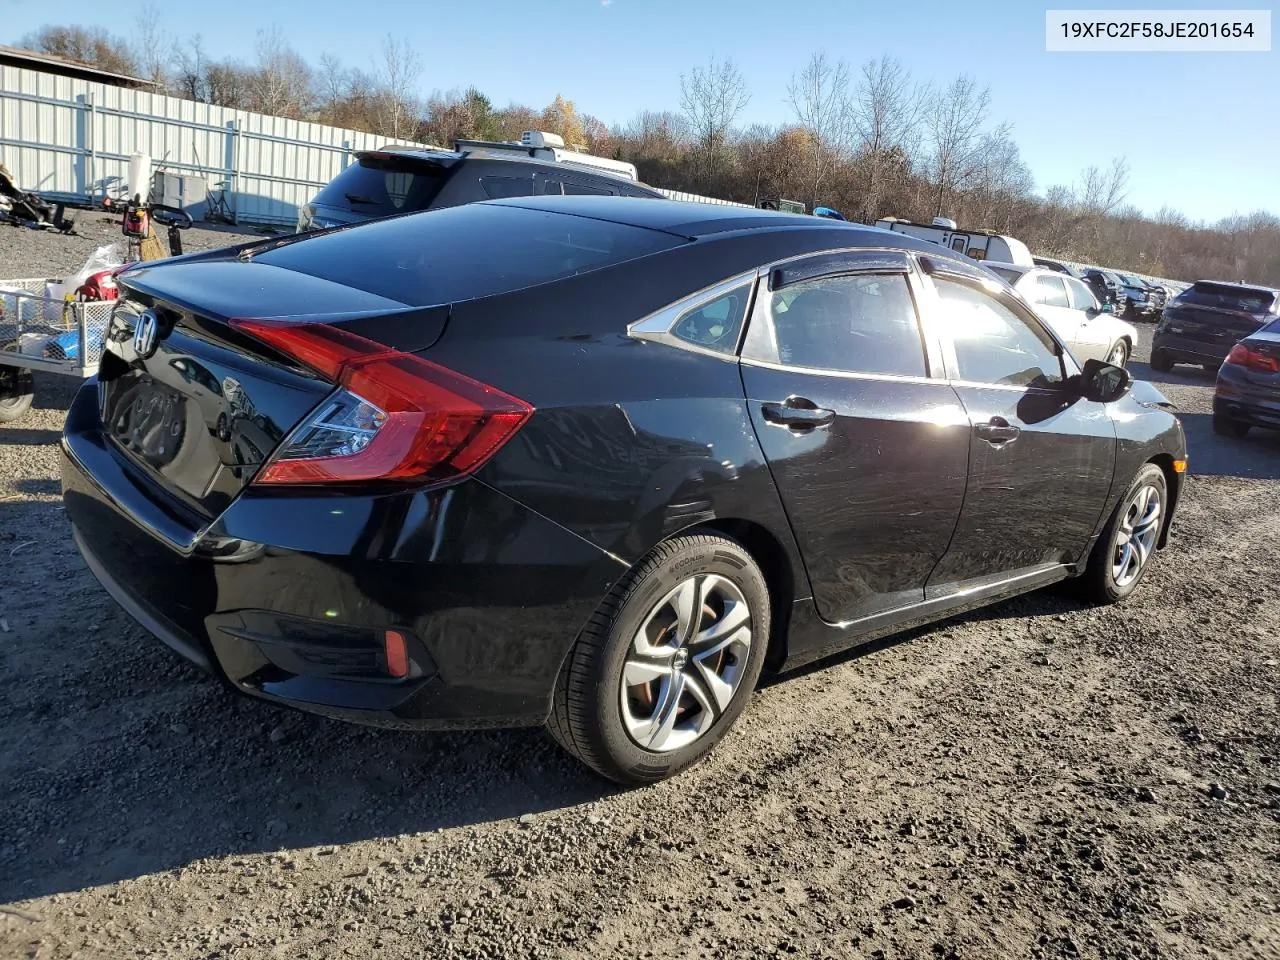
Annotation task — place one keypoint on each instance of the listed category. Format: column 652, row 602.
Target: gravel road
column 1035, row 780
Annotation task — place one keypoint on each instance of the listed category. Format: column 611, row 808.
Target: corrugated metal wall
column 72, row 138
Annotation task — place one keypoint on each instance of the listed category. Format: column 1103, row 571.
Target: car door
column 1094, row 333
column 867, row 443
column 1040, row 459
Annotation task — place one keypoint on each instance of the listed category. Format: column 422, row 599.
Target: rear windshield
column 1228, row 298
column 1009, row 276
column 461, row 253
column 381, row 187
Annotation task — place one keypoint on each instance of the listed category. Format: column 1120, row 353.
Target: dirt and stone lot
column 1036, row 780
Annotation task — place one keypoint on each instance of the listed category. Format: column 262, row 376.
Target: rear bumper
column 1251, row 409
column 1190, row 351
column 289, row 598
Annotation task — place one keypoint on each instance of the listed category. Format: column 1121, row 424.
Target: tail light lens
column 1242, row 355
column 397, row 416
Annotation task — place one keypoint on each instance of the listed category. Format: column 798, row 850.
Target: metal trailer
column 42, row 332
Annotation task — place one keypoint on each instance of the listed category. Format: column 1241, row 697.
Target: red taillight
column 398, row 416
column 1242, row 355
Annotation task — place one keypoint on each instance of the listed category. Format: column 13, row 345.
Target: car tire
column 1123, row 553
column 17, row 390
column 638, row 633
column 1118, row 356
column 1161, row 362
column 1225, row 426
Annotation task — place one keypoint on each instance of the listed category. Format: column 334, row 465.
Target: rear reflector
column 398, row 416
column 397, row 654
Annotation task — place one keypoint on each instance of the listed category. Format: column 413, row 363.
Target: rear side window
column 715, row 325
column 503, row 188
column 577, row 188
column 862, row 323
column 1228, row 298
column 383, row 187
column 1051, row 291
column 461, row 253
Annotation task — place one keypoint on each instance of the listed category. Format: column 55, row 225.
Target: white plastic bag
column 106, row 257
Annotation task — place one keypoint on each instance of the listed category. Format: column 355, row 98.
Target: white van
column 977, row 244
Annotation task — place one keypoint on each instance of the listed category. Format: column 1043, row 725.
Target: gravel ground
column 1036, row 780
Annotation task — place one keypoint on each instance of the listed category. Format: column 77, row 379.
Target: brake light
column 397, row 416
column 1242, row 355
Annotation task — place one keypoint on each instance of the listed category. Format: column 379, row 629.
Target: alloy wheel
column 1119, row 354
column 685, row 664
column 1136, row 535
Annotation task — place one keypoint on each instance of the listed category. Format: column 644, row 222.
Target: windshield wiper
column 355, row 198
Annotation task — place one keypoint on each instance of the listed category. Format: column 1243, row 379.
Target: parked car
column 1137, row 295
column 1106, row 286
column 1201, row 324
column 1247, row 394
column 1089, row 329
column 383, row 183
column 1058, row 266
column 595, row 462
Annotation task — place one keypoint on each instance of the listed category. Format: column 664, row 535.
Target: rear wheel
column 17, row 389
column 1122, row 554
column 1161, row 362
column 1225, row 426
column 667, row 663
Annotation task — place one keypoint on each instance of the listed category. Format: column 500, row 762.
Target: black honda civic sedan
column 591, row 463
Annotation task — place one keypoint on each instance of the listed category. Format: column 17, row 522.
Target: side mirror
column 1104, row 382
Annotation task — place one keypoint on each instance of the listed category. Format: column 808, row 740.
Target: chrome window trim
column 657, row 327
column 842, row 374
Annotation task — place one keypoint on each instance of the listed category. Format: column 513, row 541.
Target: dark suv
column 1106, row 286
column 382, row 183
column 1201, row 324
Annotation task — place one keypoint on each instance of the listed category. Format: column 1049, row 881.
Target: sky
column 1200, row 130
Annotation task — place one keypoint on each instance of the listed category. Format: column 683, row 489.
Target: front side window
column 715, row 325
column 1082, row 297
column 992, row 343
column 1050, row 291
column 860, row 323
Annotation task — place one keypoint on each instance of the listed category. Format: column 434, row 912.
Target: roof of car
column 1251, row 287
column 704, row 219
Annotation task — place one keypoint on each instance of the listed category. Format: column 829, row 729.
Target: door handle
column 799, row 413
column 997, row 431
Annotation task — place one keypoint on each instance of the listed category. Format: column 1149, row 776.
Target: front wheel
column 17, row 390
column 1119, row 354
column 667, row 663
column 1122, row 554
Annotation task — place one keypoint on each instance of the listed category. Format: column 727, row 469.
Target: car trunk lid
column 198, row 406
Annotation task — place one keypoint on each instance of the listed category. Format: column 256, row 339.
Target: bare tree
column 886, row 113
column 282, row 80
column 190, row 65
column 712, row 97
column 397, row 74
column 953, row 131
column 819, row 95
column 93, row 46
column 1100, row 192
column 152, row 47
